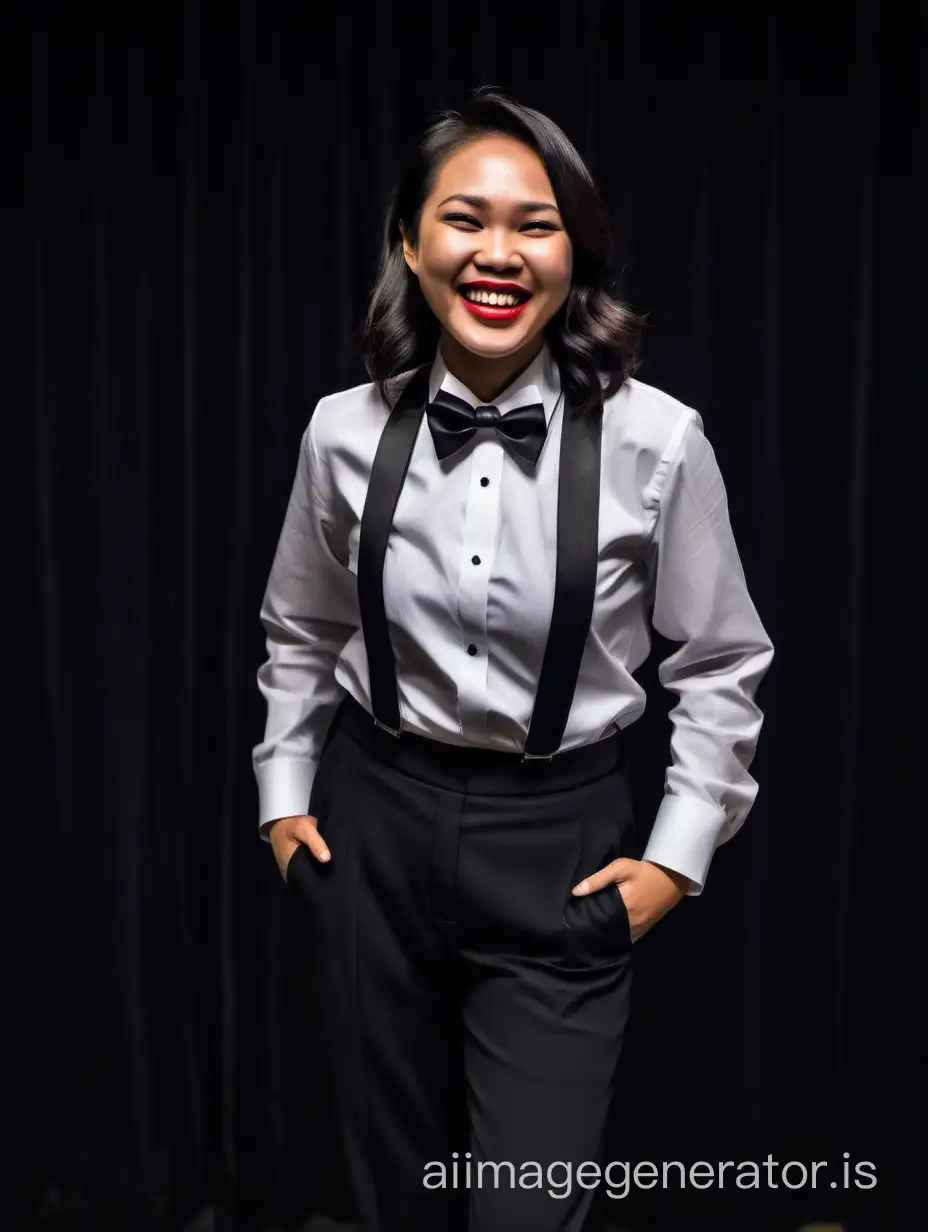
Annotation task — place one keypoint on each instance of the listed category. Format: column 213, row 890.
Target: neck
column 487, row 378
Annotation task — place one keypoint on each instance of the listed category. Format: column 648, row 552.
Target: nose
column 499, row 251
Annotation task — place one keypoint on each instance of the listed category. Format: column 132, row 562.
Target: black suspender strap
column 575, row 580
column 388, row 474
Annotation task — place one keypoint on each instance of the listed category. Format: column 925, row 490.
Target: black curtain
column 194, row 203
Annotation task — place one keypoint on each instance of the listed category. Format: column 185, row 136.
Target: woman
column 462, row 589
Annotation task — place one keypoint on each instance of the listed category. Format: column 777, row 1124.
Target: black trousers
column 472, row 1010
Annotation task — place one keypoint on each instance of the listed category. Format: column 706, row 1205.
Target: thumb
column 616, row 870
column 302, row 827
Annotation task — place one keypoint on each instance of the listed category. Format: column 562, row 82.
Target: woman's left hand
column 649, row 890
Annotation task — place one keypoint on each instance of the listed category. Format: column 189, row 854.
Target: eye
column 465, row 218
column 539, row 225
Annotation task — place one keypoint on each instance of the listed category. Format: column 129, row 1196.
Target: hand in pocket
column 648, row 890
column 286, row 834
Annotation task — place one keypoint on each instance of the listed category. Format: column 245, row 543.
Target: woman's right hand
column 287, row 833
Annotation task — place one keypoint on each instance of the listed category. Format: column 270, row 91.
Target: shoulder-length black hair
column 593, row 337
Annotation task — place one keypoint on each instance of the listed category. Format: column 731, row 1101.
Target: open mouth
column 493, row 303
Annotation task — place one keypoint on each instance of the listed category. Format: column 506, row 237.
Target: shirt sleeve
column 701, row 600
column 309, row 612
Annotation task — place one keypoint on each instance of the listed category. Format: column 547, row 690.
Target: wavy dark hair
column 593, row 337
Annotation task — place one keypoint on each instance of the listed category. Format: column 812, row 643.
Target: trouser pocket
column 596, row 925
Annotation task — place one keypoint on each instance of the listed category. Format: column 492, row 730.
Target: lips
column 487, row 312
column 492, row 312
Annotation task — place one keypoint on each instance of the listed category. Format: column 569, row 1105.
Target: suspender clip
column 537, row 756
column 385, row 728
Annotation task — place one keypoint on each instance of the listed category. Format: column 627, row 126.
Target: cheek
column 555, row 270
column 441, row 261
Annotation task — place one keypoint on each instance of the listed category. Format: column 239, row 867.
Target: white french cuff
column 284, row 784
column 684, row 837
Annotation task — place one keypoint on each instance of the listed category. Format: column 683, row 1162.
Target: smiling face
column 492, row 256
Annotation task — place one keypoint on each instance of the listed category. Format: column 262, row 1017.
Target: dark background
column 193, row 202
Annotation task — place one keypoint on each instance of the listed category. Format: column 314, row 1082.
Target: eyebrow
column 483, row 203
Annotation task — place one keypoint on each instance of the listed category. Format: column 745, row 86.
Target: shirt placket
column 478, row 546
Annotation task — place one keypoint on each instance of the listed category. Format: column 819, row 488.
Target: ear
column 409, row 252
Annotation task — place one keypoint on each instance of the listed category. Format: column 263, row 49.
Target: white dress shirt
column 471, row 562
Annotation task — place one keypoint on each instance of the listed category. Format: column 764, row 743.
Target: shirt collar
column 540, row 382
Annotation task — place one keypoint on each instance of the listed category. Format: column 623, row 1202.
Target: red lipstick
column 488, row 312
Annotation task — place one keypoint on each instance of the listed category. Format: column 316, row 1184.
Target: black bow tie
column 453, row 422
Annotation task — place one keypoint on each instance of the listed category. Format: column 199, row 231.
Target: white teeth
column 495, row 299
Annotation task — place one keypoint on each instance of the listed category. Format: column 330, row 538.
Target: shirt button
column 475, row 560
column 472, row 649
column 484, row 481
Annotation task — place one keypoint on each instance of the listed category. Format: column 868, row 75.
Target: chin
column 492, row 343
column 493, row 349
